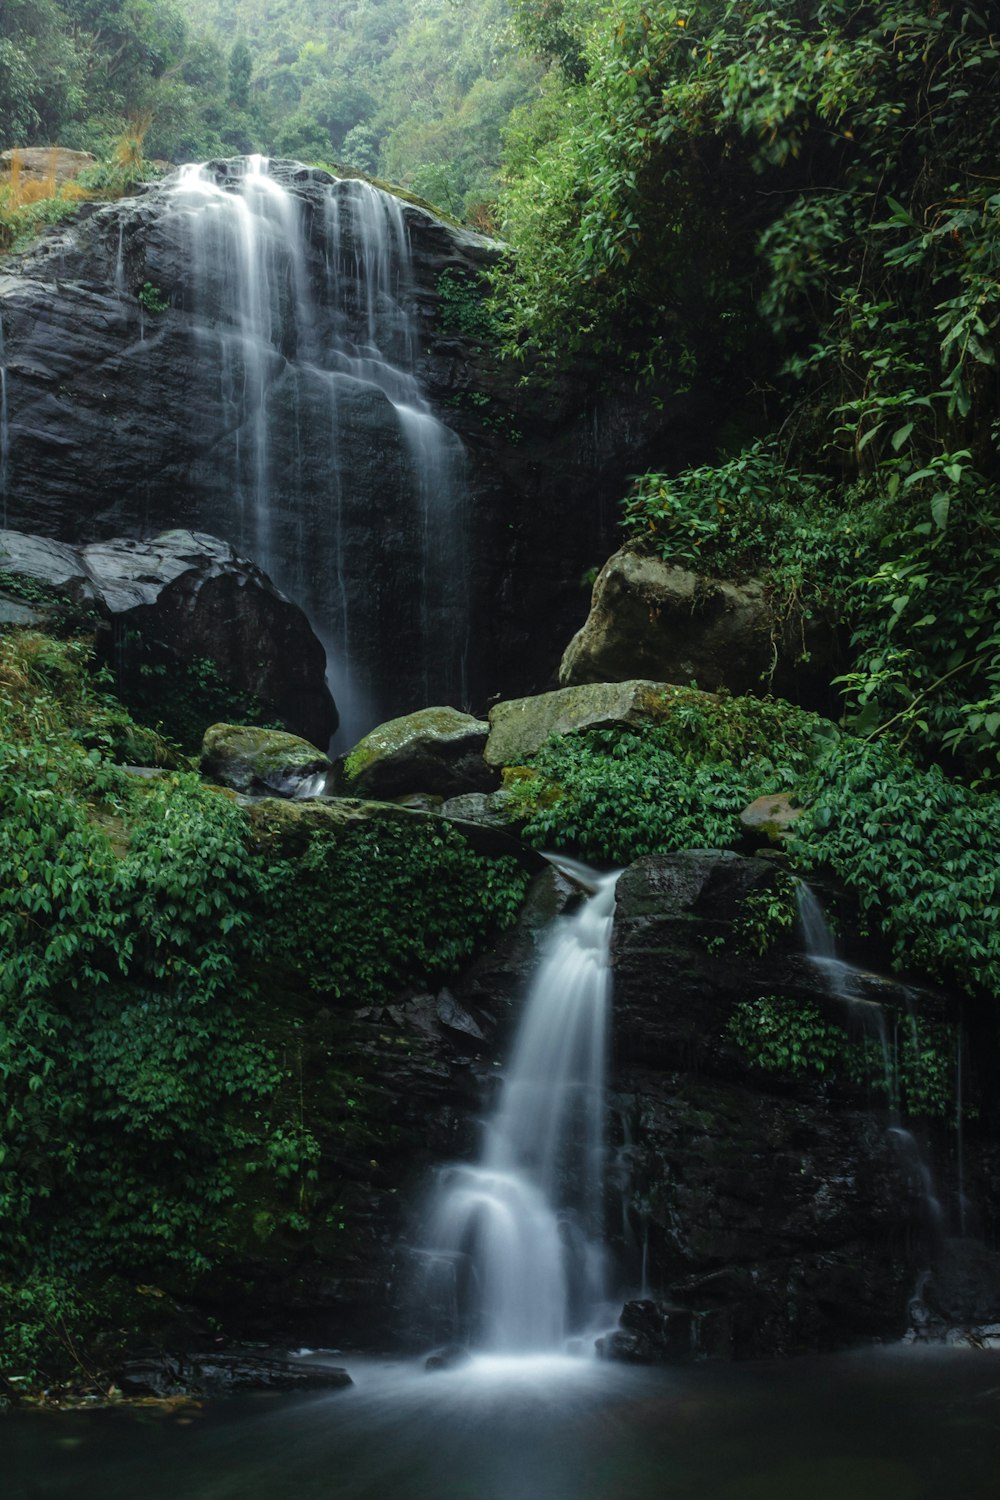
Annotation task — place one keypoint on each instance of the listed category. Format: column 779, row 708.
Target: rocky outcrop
column 47, row 164
column 263, row 762
column 225, row 1374
column 436, row 750
column 123, row 417
column 778, row 1203
column 520, row 727
column 649, row 618
column 184, row 598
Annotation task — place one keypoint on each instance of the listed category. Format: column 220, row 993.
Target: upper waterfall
column 306, row 348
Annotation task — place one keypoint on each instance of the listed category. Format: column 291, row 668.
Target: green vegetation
column 791, row 1038
column 337, row 909
column 816, row 185
column 617, row 794
column 160, row 1090
column 911, row 845
column 918, row 850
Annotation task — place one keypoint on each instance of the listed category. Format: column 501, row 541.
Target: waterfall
column 846, row 983
column 332, row 472
column 521, row 1231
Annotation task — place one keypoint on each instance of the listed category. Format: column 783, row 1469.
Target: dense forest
column 787, row 211
column 415, row 93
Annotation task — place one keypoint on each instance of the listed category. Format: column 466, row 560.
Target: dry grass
column 27, row 200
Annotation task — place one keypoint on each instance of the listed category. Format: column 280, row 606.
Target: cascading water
column 331, row 454
column 520, row 1232
column 847, row 983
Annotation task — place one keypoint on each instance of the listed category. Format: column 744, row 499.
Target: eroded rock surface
column 649, row 618
column 185, row 597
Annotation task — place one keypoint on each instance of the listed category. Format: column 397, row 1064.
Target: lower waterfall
column 519, row 1234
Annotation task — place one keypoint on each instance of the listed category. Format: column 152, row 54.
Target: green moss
column 169, row 1081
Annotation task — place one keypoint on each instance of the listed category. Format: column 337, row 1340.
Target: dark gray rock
column 184, row 597
column 436, row 750
column 116, row 426
column 225, row 1374
column 779, row 1205
column 963, row 1284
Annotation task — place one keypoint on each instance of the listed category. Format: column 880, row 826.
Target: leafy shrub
column 374, row 907
column 617, row 794
column 918, row 851
column 790, row 1037
column 154, row 1103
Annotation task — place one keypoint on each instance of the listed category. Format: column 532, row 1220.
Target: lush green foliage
column 617, row 794
column 156, row 962
column 74, row 72
column 373, row 907
column 914, row 1075
column 919, row 853
column 816, row 185
column 414, row 93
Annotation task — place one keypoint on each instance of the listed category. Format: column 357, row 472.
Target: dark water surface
column 891, row 1424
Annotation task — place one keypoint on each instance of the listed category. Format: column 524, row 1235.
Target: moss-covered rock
column 437, row 750
column 520, row 727
column 263, row 760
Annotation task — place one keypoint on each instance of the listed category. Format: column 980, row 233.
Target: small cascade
column 299, row 309
column 847, row 983
column 521, row 1231
column 118, row 279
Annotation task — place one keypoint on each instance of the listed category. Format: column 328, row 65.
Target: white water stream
column 521, row 1230
column 333, row 453
column 846, row 983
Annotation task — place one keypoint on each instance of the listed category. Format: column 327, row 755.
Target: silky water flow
column 330, row 451
column 518, row 1237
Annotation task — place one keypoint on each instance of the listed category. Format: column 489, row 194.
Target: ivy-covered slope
column 181, row 1087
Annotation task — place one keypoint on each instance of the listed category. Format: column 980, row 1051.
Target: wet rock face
column 776, row 1211
column 122, row 418
column 184, row 597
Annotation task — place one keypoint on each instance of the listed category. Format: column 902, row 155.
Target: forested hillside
column 416, row 93
column 796, row 208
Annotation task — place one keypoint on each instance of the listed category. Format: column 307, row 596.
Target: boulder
column 263, row 762
column 650, row 1333
column 773, row 816
column 436, row 750
column 53, row 164
column 182, row 598
column 520, row 727
column 650, row 618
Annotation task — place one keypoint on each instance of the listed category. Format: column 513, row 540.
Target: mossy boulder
column 772, row 816
column 520, row 727
column 263, row 761
column 436, row 750
column 651, row 616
